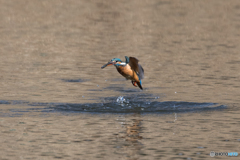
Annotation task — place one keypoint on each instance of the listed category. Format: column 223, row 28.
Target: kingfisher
column 130, row 69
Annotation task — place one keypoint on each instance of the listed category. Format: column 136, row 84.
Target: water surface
column 57, row 103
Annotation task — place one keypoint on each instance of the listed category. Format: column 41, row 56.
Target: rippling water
column 56, row 101
column 118, row 105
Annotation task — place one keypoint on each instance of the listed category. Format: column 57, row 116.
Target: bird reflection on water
column 130, row 140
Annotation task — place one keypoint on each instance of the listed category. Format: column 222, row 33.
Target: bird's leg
column 134, row 83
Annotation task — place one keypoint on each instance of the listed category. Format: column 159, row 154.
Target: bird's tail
column 140, row 85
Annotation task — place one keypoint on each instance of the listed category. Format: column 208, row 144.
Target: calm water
column 57, row 103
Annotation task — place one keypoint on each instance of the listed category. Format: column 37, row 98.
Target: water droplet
column 175, row 92
column 83, row 96
column 97, row 85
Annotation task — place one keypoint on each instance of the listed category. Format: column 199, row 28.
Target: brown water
column 57, row 102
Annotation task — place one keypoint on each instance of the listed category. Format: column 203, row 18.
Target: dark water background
column 57, row 103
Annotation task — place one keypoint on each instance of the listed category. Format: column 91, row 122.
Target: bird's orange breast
column 128, row 73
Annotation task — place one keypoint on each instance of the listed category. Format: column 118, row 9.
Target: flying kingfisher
column 130, row 69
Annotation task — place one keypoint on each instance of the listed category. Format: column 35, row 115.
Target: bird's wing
column 141, row 71
column 133, row 62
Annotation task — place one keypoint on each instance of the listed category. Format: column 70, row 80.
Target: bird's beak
column 108, row 64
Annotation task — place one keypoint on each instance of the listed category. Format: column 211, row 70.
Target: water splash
column 120, row 100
